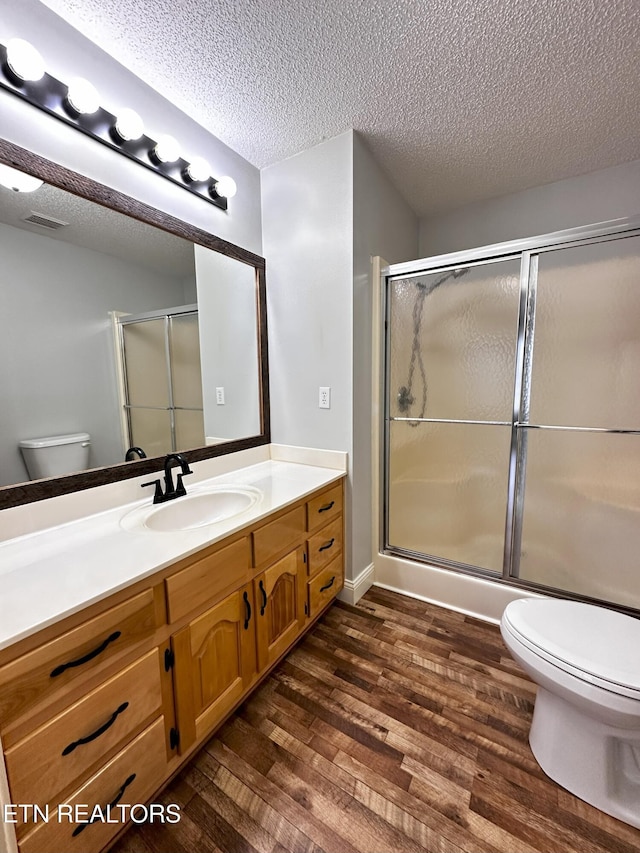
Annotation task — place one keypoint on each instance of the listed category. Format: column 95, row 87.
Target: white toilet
column 585, row 732
column 55, row 455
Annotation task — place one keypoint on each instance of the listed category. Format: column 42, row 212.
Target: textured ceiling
column 458, row 100
column 100, row 229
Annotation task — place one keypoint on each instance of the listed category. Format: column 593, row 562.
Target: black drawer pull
column 65, row 666
column 97, row 732
column 111, row 805
column 325, row 508
column 327, row 545
column 248, row 606
column 328, row 585
column 264, row 598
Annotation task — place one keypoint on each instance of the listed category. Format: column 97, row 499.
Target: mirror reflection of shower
column 158, row 359
column 406, row 397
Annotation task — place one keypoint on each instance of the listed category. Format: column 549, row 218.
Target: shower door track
column 527, row 251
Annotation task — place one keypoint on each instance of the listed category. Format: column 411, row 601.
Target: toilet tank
column 54, row 455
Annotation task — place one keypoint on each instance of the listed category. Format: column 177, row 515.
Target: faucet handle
column 180, row 489
column 157, row 498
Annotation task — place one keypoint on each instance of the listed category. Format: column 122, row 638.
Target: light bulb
column 12, row 179
column 225, row 187
column 129, row 125
column 24, row 61
column 166, row 150
column 198, row 170
column 82, row 96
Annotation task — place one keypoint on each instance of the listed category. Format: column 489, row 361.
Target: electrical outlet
column 324, row 398
column 220, row 396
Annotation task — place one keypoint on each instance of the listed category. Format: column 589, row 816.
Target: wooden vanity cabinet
column 223, row 651
column 81, row 711
column 280, row 594
column 78, row 739
column 112, row 705
column 325, row 560
column 33, row 677
column 215, row 664
column 324, row 586
column 129, row 778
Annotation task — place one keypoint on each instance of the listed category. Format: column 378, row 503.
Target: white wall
column 384, row 225
column 326, row 211
column 57, row 370
column 307, row 211
column 228, row 345
column 67, row 53
column 595, row 197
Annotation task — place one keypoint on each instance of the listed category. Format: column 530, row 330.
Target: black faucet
column 170, row 492
column 132, row 451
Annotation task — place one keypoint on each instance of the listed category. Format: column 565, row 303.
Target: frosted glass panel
column 581, row 529
column 185, row 364
column 587, row 337
column 146, row 362
column 189, row 428
column 453, row 341
column 151, row 430
column 447, row 492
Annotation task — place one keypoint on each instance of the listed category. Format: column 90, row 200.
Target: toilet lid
column 598, row 645
column 54, row 440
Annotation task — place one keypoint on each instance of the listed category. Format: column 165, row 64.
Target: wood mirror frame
column 56, row 175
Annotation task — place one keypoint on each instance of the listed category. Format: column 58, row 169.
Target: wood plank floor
column 394, row 726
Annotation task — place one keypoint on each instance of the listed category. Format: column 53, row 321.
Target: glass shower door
column 147, row 386
column 451, row 366
column 580, row 433
column 162, row 381
column 186, row 380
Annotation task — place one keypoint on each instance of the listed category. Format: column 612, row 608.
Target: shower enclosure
column 512, row 412
column 158, row 354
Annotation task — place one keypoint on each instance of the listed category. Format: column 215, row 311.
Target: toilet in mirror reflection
column 54, row 455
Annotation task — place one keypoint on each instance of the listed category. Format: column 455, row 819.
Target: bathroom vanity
column 169, row 631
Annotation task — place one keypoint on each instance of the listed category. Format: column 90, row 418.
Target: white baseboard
column 353, row 590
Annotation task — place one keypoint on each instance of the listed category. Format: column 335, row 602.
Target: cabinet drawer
column 324, row 508
column 208, row 579
column 276, row 537
column 79, row 739
column 130, row 778
column 27, row 680
column 324, row 546
column 325, row 585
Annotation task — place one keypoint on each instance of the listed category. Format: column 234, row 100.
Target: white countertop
column 52, row 573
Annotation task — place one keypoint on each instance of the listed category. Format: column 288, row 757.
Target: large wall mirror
column 124, row 323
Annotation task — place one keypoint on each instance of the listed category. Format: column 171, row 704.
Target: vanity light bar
column 78, row 105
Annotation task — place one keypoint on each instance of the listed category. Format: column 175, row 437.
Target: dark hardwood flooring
column 394, row 726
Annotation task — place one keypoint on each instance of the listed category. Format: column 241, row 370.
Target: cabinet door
column 280, row 596
column 215, row 662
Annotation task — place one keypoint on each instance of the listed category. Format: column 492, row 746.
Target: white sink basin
column 198, row 508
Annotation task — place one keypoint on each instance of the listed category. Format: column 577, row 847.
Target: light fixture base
column 49, row 94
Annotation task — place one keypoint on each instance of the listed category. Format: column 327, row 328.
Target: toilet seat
column 596, row 645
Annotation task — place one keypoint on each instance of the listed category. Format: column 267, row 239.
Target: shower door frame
column 528, row 251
